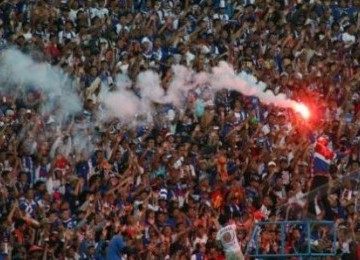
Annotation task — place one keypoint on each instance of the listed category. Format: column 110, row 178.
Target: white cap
column 145, row 39
column 272, row 163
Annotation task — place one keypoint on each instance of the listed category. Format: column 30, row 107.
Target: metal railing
column 308, row 247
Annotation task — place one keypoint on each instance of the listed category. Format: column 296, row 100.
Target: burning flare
column 302, row 110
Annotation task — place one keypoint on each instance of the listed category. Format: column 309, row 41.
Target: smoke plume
column 20, row 70
column 131, row 99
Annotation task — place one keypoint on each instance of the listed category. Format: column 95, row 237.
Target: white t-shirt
column 222, row 17
column 99, row 12
column 120, row 27
column 298, row 198
column 227, row 236
column 265, row 211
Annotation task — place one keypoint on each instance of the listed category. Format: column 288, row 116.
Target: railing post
column 257, row 239
column 335, row 238
column 282, row 238
column 308, row 237
column 284, row 226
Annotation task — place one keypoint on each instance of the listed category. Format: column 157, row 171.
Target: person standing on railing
column 318, row 203
column 319, row 183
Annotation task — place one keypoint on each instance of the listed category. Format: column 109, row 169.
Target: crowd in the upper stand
column 160, row 191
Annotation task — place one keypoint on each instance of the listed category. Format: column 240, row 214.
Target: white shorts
column 235, row 255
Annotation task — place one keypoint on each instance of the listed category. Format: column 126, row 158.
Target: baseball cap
column 272, row 163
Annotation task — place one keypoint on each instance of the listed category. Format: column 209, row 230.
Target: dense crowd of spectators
column 159, row 191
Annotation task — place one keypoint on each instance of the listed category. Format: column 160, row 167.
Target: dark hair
column 19, row 222
column 224, row 219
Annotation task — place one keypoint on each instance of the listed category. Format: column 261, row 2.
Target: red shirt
column 19, row 236
column 52, row 50
column 357, row 253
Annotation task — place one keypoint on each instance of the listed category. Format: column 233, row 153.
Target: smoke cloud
column 123, row 104
column 149, row 86
column 131, row 99
column 126, row 104
column 224, row 76
column 20, row 70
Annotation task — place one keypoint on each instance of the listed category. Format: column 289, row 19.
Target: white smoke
column 125, row 104
column 179, row 86
column 131, row 99
column 128, row 103
column 224, row 77
column 123, row 81
column 149, row 86
column 21, row 71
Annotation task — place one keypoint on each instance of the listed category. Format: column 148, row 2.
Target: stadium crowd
column 163, row 190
